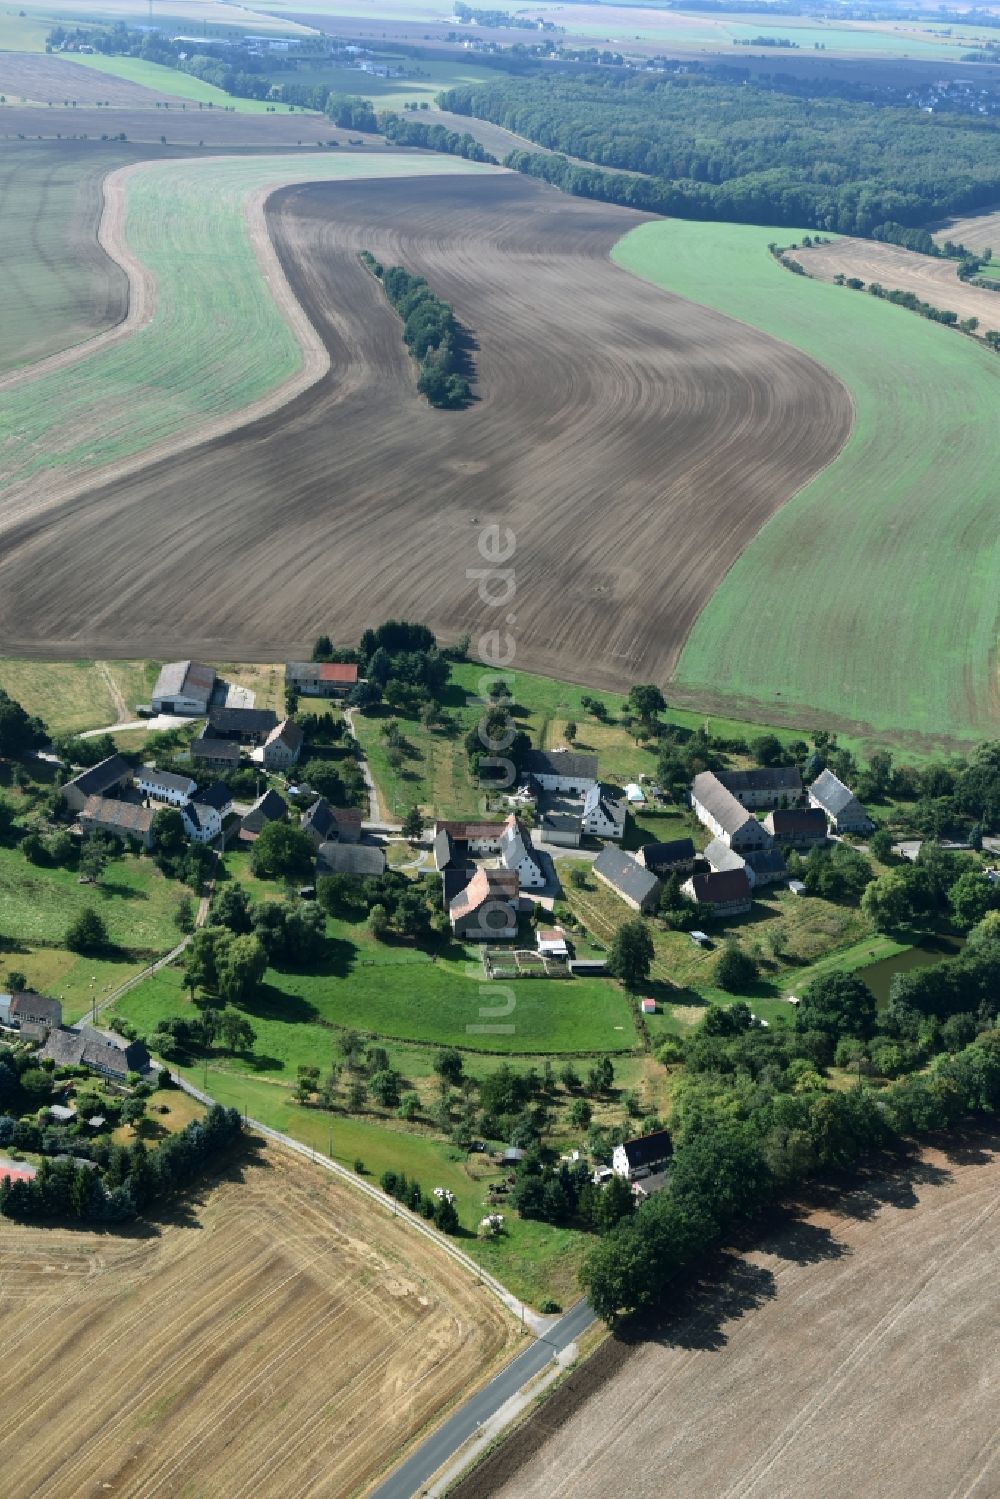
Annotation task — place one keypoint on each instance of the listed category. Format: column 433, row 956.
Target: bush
column 735, row 970
column 88, row 933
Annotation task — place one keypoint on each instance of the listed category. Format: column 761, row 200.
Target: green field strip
column 217, row 341
column 179, row 85
column 872, row 597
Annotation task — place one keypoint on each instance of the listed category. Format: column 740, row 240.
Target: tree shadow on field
column 976, row 1148
column 883, row 1182
column 727, row 1289
column 793, row 1237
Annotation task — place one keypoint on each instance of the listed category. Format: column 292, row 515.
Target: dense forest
column 712, row 150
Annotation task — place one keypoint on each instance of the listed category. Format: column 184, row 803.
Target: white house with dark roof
column 763, row 786
column 673, row 857
column 184, row 688
column 203, row 816
column 108, row 777
column 843, row 810
column 638, row 1158
column 561, row 770
column 165, row 786
column 519, row 856
column 283, row 746
column 603, row 813
column 728, row 819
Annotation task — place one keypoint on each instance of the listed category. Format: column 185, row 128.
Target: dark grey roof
column 248, row 721
column 319, row 818
column 708, row 791
column 721, row 856
column 29, row 1005
column 184, row 679
column 217, row 795
column 125, row 817
column 625, row 873
column 167, row 779
column 359, row 859
column 453, row 882
column 603, row 797
column 662, row 855
column 766, row 861
column 785, row 823
column 444, row 851
column 561, row 763
column 94, row 1048
column 646, row 1150
column 64, row 1046
column 832, row 794
column 563, row 822
column 267, row 808
column 102, row 777
column 204, row 748
column 784, row 778
column 718, row 889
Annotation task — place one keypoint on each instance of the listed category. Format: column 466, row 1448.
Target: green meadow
column 172, row 81
column 871, row 598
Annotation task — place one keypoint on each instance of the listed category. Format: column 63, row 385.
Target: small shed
column 648, row 1006
column 551, row 942
column 796, row 887
column 634, row 795
column 700, row 939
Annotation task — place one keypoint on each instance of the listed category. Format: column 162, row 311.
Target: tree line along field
column 847, row 1340
column 216, row 341
column 872, row 597
column 930, row 278
column 633, row 397
column 280, row 1334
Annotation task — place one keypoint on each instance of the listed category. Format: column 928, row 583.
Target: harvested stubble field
column 932, row 280
column 282, row 1336
column 871, row 600
column 633, row 441
column 31, row 78
column 980, row 231
column 182, row 124
column 853, row 1352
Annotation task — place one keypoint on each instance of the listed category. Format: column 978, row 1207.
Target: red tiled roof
column 338, row 671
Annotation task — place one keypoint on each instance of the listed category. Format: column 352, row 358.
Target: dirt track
column 283, row 1338
column 633, row 441
column 853, row 1354
column 932, row 280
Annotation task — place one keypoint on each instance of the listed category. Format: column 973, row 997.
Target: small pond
column 928, row 951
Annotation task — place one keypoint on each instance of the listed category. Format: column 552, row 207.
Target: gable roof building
column 797, row 827
column 561, row 770
column 720, row 856
column 225, row 752
column 518, row 854
column 765, row 866
column 321, row 678
column 283, row 745
column 763, row 786
column 35, row 1013
column 718, row 809
column 165, row 785
column 251, row 725
column 639, row 1157
column 183, row 687
column 841, row 806
column 726, row 891
column 267, row 808
column 486, row 909
column 356, row 859
column 603, row 813
column 109, row 775
column 102, row 1051
column 677, row 855
column 636, row 885
column 105, row 814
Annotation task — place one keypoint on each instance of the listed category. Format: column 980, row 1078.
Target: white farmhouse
column 165, row 786
column 603, row 813
column 843, row 810
column 719, row 810
column 561, row 770
column 519, row 856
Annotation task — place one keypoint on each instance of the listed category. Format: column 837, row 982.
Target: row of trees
column 711, row 148
column 430, row 332
column 403, row 132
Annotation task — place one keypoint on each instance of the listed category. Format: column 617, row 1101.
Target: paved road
column 411, row 1476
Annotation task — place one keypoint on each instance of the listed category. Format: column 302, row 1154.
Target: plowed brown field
column 980, row 231
column 182, row 127
column 39, row 79
column 633, row 441
column 287, row 1338
column 932, row 280
column 853, row 1354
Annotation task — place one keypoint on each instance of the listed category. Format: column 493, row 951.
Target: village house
column 267, row 808
column 564, row 829
column 765, row 786
column 203, row 816
column 728, row 819
column 243, row 725
column 223, row 754
column 603, row 813
column 638, row 1158
column 486, row 910
column 518, row 854
column 456, row 840
column 35, row 1014
column 109, row 777
column 674, row 857
column 725, row 892
column 719, row 856
column 551, row 942
column 766, row 866
column 184, row 688
column 797, row 827
column 321, row 678
column 359, row 860
column 165, row 786
column 629, row 879
column 561, row 770
column 842, row 809
column 124, row 820
column 326, row 824
column 104, row 1052
column 283, row 746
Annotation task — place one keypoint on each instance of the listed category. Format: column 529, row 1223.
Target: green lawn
column 76, row 981
column 882, row 576
column 180, row 85
column 217, row 340
column 69, row 696
column 37, row 904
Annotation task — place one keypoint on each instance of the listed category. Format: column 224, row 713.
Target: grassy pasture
column 871, row 599
column 70, row 696
column 38, row 903
column 217, row 340
column 429, row 78
column 172, row 81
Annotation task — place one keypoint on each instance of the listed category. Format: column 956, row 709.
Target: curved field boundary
column 871, row 599
column 214, row 337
